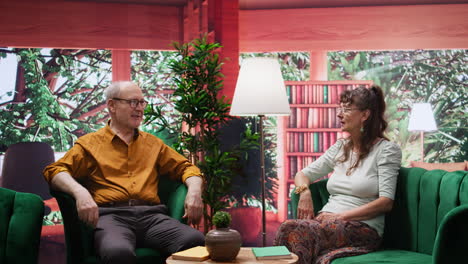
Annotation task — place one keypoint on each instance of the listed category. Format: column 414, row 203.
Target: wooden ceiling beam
column 355, row 28
column 71, row 24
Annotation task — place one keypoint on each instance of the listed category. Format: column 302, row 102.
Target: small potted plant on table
column 223, row 243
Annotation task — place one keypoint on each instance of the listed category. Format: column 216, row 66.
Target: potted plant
column 201, row 115
column 245, row 199
column 223, row 243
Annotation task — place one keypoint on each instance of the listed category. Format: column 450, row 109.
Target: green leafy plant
column 222, row 219
column 201, row 113
column 246, row 191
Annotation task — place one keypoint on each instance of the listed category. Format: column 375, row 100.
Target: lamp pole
column 262, row 168
column 422, row 146
column 260, row 91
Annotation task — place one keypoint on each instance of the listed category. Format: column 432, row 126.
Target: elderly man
column 119, row 168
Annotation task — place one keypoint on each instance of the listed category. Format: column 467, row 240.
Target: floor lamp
column 260, row 91
column 422, row 120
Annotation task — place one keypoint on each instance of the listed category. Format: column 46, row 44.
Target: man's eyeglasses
column 133, row 102
column 346, row 110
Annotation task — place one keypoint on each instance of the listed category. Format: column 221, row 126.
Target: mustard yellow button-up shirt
column 113, row 171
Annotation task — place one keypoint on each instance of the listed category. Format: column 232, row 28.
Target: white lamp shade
column 260, row 89
column 422, row 118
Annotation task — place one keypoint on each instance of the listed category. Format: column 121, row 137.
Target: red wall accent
column 355, row 28
column 74, row 24
column 121, row 65
column 318, row 66
column 226, row 32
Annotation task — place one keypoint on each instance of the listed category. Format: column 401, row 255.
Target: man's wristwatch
column 301, row 188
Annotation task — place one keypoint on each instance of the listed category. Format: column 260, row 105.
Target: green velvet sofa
column 428, row 223
column 21, row 216
column 79, row 236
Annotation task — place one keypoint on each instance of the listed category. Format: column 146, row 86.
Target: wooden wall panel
column 226, row 31
column 121, row 65
column 73, row 24
column 355, row 28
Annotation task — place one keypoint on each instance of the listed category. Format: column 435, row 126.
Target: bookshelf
column 308, row 132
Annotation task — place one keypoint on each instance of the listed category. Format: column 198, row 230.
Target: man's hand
column 305, row 207
column 87, row 208
column 193, row 201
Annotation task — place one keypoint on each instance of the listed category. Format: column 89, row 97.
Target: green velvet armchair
column 428, row 223
column 21, row 217
column 79, row 237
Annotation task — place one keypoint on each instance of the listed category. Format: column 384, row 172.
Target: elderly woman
column 362, row 187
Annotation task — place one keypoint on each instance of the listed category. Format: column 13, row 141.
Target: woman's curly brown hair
column 371, row 99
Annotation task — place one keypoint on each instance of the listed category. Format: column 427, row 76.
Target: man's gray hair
column 114, row 89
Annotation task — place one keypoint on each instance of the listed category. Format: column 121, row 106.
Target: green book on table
column 277, row 252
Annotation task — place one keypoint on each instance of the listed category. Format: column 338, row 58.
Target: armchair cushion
column 21, row 217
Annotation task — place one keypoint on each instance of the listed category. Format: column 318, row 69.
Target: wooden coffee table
column 245, row 256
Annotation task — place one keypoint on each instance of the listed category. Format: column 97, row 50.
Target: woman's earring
column 362, row 129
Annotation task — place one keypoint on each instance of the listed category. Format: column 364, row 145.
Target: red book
column 315, row 121
column 323, row 114
column 304, row 117
column 340, row 89
column 298, row 94
column 301, row 142
column 320, row 144
column 311, row 93
column 298, row 118
column 332, row 94
column 306, row 140
column 306, row 94
column 292, row 118
column 314, row 101
column 332, row 138
column 319, row 94
column 293, row 167
column 310, row 117
column 296, row 142
column 299, row 163
column 326, row 140
column 293, row 94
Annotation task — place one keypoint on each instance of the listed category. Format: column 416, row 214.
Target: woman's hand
column 305, row 207
column 327, row 216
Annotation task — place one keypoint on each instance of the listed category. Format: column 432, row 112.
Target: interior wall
column 88, row 25
column 105, row 25
column 355, row 28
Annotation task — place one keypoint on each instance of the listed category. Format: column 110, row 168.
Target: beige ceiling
column 287, row 4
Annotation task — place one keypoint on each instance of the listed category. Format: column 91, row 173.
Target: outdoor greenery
column 63, row 99
column 62, row 96
column 439, row 77
column 436, row 77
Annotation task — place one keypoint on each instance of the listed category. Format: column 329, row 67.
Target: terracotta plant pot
column 248, row 221
column 223, row 244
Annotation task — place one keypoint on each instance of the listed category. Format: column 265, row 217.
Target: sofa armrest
column 24, row 229
column 78, row 235
column 451, row 243
column 319, row 194
column 176, row 202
